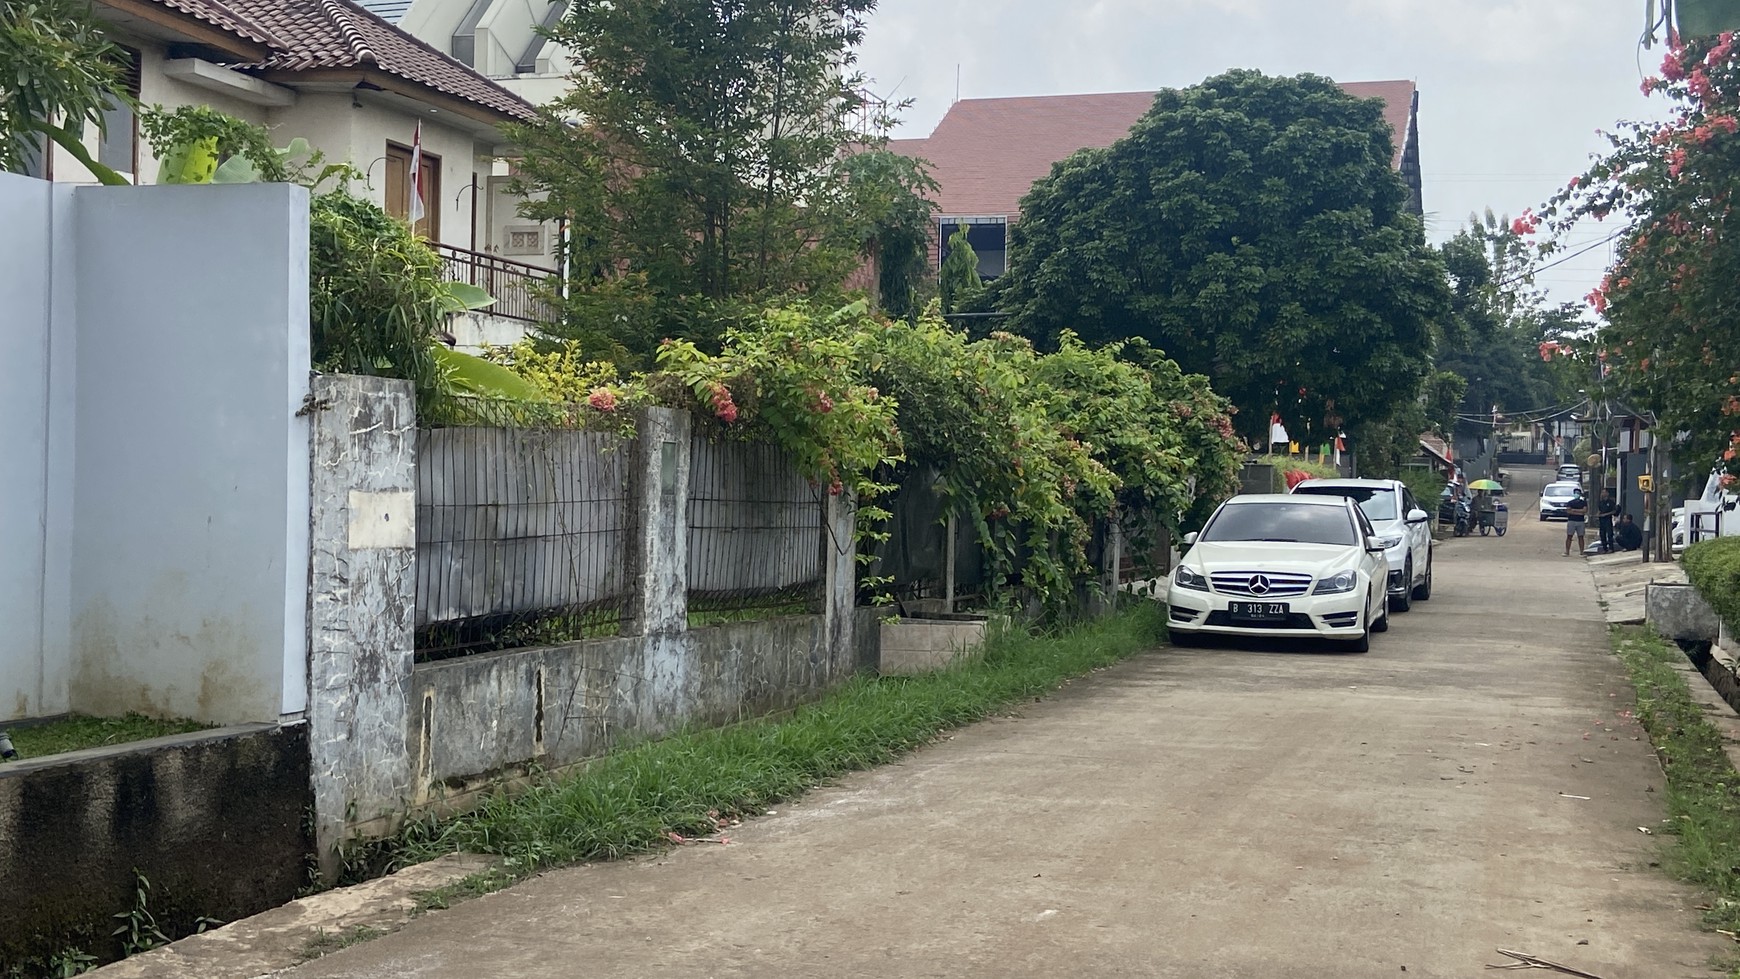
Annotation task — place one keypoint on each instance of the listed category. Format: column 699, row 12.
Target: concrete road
column 1473, row 783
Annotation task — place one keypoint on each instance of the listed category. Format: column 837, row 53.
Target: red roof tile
column 337, row 34
column 986, row 153
column 224, row 19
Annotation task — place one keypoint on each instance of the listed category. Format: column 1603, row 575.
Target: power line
column 1560, row 261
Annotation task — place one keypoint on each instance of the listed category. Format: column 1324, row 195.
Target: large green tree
column 698, row 157
column 57, row 73
column 1255, row 229
column 1497, row 323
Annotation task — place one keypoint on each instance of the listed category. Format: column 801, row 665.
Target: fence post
column 362, row 605
column 659, row 610
column 840, row 587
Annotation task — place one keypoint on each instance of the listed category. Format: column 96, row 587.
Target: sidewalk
column 1621, row 578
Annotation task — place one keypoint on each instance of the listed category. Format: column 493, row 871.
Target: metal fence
column 755, row 530
column 517, row 286
column 915, row 557
column 520, row 532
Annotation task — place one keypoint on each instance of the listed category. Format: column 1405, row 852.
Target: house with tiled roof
column 985, row 154
column 358, row 89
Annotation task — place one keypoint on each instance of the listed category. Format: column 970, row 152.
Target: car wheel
column 1383, row 622
column 1182, row 640
column 1543, row 518
column 1405, row 601
column 1423, row 591
column 1362, row 644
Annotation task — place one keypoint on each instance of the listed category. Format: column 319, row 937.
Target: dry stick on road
column 1526, row 961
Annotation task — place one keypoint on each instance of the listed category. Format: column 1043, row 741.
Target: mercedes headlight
column 1186, row 578
column 1337, row 584
column 1389, row 540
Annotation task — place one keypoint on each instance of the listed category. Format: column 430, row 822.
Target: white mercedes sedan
column 1282, row 566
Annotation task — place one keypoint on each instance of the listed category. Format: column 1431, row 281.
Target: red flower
column 602, row 399
column 1671, row 69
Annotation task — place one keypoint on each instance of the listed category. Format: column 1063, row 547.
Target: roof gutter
column 384, row 81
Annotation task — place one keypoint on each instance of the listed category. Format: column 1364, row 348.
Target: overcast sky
column 1511, row 91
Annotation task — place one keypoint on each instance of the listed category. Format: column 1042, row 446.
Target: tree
column 60, row 73
column 707, row 160
column 958, row 280
column 890, row 210
column 1492, row 338
column 1671, row 335
column 1255, row 230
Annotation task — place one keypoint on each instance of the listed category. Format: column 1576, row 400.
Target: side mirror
column 1374, row 545
column 1190, row 538
column 1417, row 515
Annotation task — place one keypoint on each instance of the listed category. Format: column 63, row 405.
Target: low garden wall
column 214, row 821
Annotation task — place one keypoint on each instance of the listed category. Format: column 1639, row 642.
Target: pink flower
column 835, row 488
column 1701, row 85
column 1676, row 162
column 1574, row 182
column 723, row 407
column 1671, row 69
column 602, row 399
column 1650, row 85
column 824, row 404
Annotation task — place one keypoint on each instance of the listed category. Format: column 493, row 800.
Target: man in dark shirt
column 1576, row 511
column 1605, row 511
column 1629, row 537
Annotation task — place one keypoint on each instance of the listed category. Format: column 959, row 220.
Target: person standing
column 1605, row 512
column 1576, row 511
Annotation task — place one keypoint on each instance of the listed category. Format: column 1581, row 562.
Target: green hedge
column 1713, row 566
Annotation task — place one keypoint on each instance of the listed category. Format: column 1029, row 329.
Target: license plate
column 1258, row 611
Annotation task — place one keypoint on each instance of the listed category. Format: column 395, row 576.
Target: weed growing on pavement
column 325, row 942
column 1703, row 789
column 695, row 783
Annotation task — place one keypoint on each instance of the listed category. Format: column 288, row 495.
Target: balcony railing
column 518, row 288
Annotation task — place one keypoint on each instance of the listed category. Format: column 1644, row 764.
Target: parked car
column 1571, row 473
column 1554, row 497
column 1282, row 565
column 1400, row 522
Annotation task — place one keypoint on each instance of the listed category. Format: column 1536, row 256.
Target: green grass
column 628, row 802
column 1703, row 793
column 77, row 731
column 325, row 942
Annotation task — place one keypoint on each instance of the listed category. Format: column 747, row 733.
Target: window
column 524, row 240
column 1378, row 504
column 988, row 236
column 118, row 146
column 398, row 201
column 1288, row 522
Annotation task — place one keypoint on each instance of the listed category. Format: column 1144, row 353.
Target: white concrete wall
column 28, row 686
column 161, row 525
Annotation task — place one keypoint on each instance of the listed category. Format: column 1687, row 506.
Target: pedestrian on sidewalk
column 1605, row 511
column 1576, row 512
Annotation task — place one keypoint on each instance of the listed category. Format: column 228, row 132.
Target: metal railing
column 518, row 287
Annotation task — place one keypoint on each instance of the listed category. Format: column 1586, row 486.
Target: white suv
column 1400, row 522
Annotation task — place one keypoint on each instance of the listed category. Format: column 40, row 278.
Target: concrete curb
column 282, row 937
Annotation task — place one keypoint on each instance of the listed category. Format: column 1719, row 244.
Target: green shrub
column 1713, row 567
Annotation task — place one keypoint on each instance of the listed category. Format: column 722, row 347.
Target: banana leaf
column 474, row 375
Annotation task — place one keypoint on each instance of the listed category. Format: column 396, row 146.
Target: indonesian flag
column 417, row 211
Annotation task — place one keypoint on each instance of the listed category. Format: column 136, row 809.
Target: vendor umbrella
column 1486, row 484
